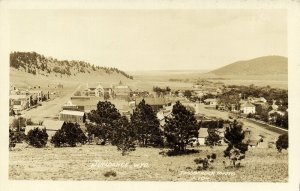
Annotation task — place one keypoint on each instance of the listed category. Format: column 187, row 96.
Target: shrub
column 70, row 134
column 110, row 173
column 12, row 139
column 206, row 162
column 37, row 137
column 282, row 142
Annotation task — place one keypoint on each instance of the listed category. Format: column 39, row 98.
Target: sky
column 151, row 39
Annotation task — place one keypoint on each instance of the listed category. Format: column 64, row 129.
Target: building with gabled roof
column 247, row 108
column 52, row 126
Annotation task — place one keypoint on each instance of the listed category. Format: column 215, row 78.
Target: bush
column 37, row 137
column 12, row 139
column 69, row 135
column 110, row 173
column 282, row 142
column 206, row 162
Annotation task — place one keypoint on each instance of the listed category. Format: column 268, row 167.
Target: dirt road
column 51, row 108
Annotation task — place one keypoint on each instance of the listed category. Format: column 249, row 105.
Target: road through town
column 50, row 109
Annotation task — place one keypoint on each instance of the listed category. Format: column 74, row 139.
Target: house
column 52, row 126
column 36, row 95
column 251, row 139
column 72, row 116
column 156, row 103
column 91, row 89
column 107, row 90
column 19, row 102
column 203, row 134
column 247, row 108
column 210, row 101
column 121, row 91
column 85, row 103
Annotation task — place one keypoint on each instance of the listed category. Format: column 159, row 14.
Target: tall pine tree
column 146, row 124
column 103, row 120
column 180, row 127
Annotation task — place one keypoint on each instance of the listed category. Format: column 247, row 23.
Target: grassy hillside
column 144, row 164
column 267, row 65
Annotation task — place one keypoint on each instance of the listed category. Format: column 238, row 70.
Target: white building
column 247, row 108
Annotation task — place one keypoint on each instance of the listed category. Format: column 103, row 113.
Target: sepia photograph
column 148, row 95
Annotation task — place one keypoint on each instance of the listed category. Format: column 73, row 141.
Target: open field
column 90, row 162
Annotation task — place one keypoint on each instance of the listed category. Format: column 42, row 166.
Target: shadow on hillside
column 178, row 153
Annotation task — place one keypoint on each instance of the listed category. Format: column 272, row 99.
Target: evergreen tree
column 145, row 121
column 180, row 127
column 213, row 137
column 37, row 137
column 70, row 134
column 282, row 142
column 103, row 120
column 124, row 136
column 234, row 136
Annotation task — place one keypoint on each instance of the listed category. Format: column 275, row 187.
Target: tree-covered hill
column 34, row 63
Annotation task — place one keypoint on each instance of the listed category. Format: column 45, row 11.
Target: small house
column 72, row 116
column 203, row 134
column 247, row 108
column 210, row 102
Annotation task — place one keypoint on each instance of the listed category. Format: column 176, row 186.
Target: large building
column 121, row 91
column 99, row 90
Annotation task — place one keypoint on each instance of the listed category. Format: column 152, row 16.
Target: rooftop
column 69, row 112
column 52, row 124
column 153, row 101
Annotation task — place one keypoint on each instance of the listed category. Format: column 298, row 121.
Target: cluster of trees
column 161, row 91
column 270, row 94
column 280, row 120
column 107, row 124
column 32, row 62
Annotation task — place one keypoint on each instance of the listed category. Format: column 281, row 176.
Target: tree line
column 33, row 62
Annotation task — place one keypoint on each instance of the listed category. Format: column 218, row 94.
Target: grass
column 93, row 162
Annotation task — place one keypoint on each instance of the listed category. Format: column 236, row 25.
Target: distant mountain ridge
column 37, row 64
column 266, row 65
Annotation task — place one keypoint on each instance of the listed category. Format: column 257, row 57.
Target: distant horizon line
column 154, row 70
